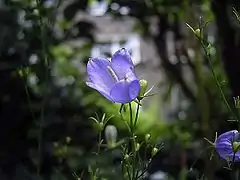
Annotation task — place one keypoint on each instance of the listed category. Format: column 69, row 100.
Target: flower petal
column 100, row 90
column 126, row 90
column 237, row 157
column 229, row 135
column 134, row 89
column 99, row 76
column 122, row 62
column 224, row 149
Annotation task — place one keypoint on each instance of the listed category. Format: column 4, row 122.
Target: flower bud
column 147, row 137
column 143, row 85
column 68, row 139
column 126, row 157
column 137, row 146
column 36, row 12
column 154, row 151
column 111, row 135
column 100, row 126
column 197, row 32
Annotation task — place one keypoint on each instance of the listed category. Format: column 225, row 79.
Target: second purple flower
column 228, row 146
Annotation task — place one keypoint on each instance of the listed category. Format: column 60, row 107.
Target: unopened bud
column 100, row 126
column 68, row 139
column 137, row 146
column 36, row 12
column 111, row 135
column 126, row 157
column 143, row 85
column 154, row 151
column 147, row 137
column 197, row 32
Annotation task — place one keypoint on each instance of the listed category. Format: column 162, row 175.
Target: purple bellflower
column 114, row 79
column 228, row 146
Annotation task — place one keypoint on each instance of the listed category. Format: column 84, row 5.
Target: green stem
column 46, row 64
column 131, row 117
column 134, row 126
column 237, row 174
column 99, row 142
column 133, row 143
column 132, row 139
column 217, row 82
column 136, row 117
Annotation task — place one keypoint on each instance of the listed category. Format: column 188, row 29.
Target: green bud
column 197, row 32
column 236, row 146
column 68, row 139
column 143, row 85
column 126, row 157
column 111, row 135
column 36, row 12
column 154, row 151
column 100, row 126
column 137, row 146
column 147, row 137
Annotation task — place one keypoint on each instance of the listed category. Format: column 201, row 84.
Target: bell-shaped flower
column 228, row 146
column 114, row 79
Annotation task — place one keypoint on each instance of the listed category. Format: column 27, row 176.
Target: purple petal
column 122, row 62
column 99, row 89
column 126, row 90
column 224, row 149
column 230, row 135
column 99, row 76
column 237, row 157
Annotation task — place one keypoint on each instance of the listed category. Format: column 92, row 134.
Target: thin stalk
column 237, row 174
column 46, row 64
column 133, row 143
column 99, row 142
column 132, row 140
column 136, row 117
column 134, row 127
column 217, row 82
column 131, row 117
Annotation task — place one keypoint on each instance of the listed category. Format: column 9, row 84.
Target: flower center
column 112, row 73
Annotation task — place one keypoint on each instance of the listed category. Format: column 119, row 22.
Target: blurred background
column 50, row 103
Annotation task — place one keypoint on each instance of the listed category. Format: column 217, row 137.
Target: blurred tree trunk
column 229, row 42
column 15, row 120
column 173, row 70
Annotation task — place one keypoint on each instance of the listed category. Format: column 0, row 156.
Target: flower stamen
column 112, row 73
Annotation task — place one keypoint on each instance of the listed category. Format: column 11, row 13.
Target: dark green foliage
column 67, row 133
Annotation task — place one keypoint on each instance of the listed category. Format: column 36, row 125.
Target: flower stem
column 132, row 139
column 99, row 142
column 217, row 82
column 236, row 174
column 131, row 117
column 136, row 117
column 46, row 64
